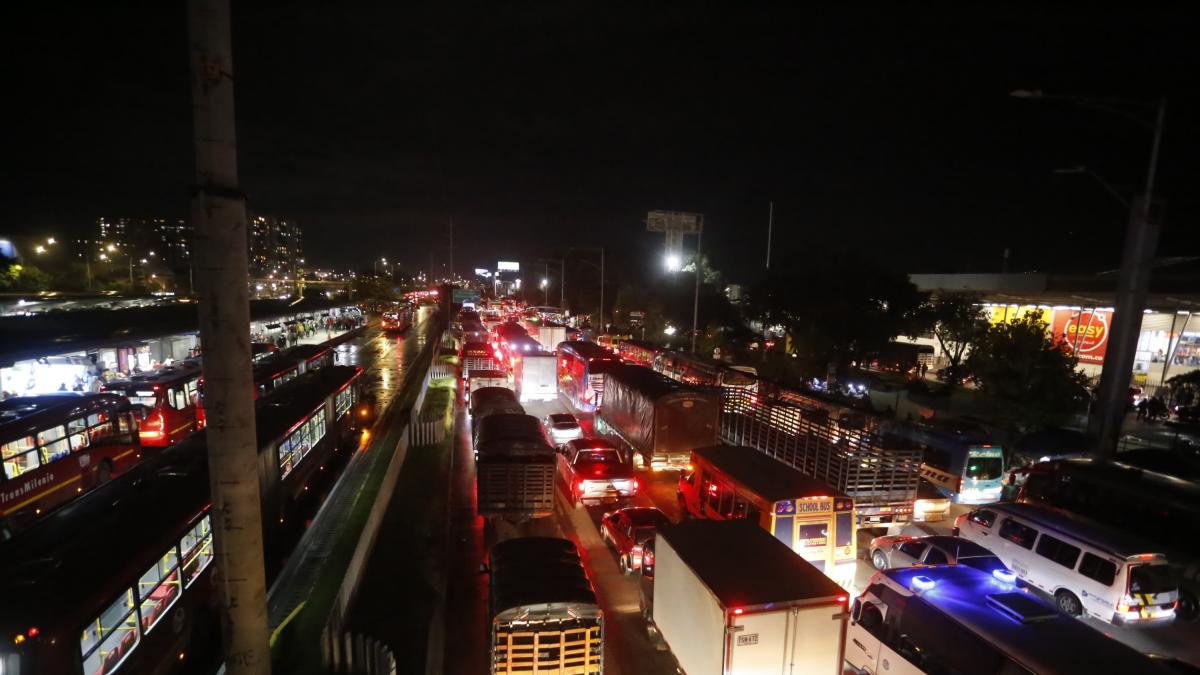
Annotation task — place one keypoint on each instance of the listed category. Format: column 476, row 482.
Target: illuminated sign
column 1083, row 332
column 506, row 266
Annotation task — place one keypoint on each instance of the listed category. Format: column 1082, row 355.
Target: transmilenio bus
column 55, row 447
column 120, row 579
column 581, row 368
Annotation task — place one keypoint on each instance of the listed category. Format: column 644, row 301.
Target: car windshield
column 601, row 456
column 562, row 419
column 565, row 425
column 1152, row 579
column 641, row 534
column 984, row 468
column 983, row 563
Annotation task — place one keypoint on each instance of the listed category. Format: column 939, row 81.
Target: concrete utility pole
column 1141, row 241
column 696, row 295
column 219, row 215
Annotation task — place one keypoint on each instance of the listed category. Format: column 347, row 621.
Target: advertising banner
column 1084, row 332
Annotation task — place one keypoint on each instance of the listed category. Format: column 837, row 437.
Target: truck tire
column 1068, row 603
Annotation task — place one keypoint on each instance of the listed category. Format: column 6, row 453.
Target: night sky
column 544, row 125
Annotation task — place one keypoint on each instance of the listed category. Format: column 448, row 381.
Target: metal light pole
column 219, row 215
column 696, row 294
column 562, row 283
column 1141, row 240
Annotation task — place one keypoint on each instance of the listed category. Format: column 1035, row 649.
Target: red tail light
column 635, row 485
column 153, row 427
column 648, row 557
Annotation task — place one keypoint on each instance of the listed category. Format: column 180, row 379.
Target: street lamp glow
column 40, row 249
column 51, row 241
column 104, row 256
column 673, row 262
column 669, row 330
column 545, row 282
column 111, row 247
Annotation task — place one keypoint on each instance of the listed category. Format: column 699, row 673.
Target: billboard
column 506, row 266
column 1085, row 332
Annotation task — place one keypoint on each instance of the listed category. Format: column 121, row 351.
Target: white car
column 561, row 428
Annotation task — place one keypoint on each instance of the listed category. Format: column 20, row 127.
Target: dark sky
column 544, row 125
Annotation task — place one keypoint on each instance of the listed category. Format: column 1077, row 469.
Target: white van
column 1087, row 568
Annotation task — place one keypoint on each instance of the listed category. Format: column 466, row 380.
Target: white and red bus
column 282, row 367
column 56, row 446
column 170, row 397
column 581, row 368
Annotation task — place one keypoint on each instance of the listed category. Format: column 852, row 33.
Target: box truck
column 535, row 377
column 514, row 468
column 763, row 609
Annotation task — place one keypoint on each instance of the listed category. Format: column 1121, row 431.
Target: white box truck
column 728, row 598
column 535, row 376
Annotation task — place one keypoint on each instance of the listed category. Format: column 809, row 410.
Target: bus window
column 18, row 457
column 784, row 529
column 843, row 529
column 109, row 638
column 176, row 398
column 1021, row 535
column 1098, row 569
column 710, row 494
column 739, row 507
column 726, row 501
column 197, row 550
column 1059, row 551
column 77, row 431
column 158, row 589
column 53, row 444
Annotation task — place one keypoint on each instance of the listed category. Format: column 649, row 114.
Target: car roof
column 1076, row 527
column 563, row 417
column 644, row 515
column 591, row 444
column 962, row 548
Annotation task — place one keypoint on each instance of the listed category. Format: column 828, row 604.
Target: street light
column 1141, row 240
column 672, row 262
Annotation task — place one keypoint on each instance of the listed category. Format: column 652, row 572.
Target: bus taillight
column 153, row 427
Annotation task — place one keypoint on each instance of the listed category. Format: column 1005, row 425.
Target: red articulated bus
column 170, row 397
column 277, row 369
column 56, row 446
column 581, row 368
column 638, row 352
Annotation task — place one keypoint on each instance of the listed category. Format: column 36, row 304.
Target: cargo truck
column 549, row 335
column 514, row 467
column 544, row 613
column 535, row 377
column 764, row 610
column 660, row 419
column 477, row 356
column 478, row 379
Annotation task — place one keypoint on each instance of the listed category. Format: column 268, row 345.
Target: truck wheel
column 1068, row 603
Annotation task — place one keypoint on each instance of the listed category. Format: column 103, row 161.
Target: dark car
column 593, row 470
column 628, row 530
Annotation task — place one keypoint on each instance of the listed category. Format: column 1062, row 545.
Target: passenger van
column 955, row 619
column 1088, row 568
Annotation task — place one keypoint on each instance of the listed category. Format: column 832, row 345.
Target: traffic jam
column 763, row 529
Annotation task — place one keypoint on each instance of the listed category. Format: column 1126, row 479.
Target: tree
column 1028, row 376
column 956, row 321
column 839, row 314
column 17, row 277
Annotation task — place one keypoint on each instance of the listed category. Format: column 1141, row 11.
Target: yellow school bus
column 731, row 482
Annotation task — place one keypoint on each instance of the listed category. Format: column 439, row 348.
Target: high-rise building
column 276, row 250
column 149, row 245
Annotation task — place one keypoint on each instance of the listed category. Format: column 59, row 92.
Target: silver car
column 562, row 427
column 906, row 551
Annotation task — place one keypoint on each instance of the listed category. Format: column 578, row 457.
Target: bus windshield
column 984, row 468
column 1152, row 579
